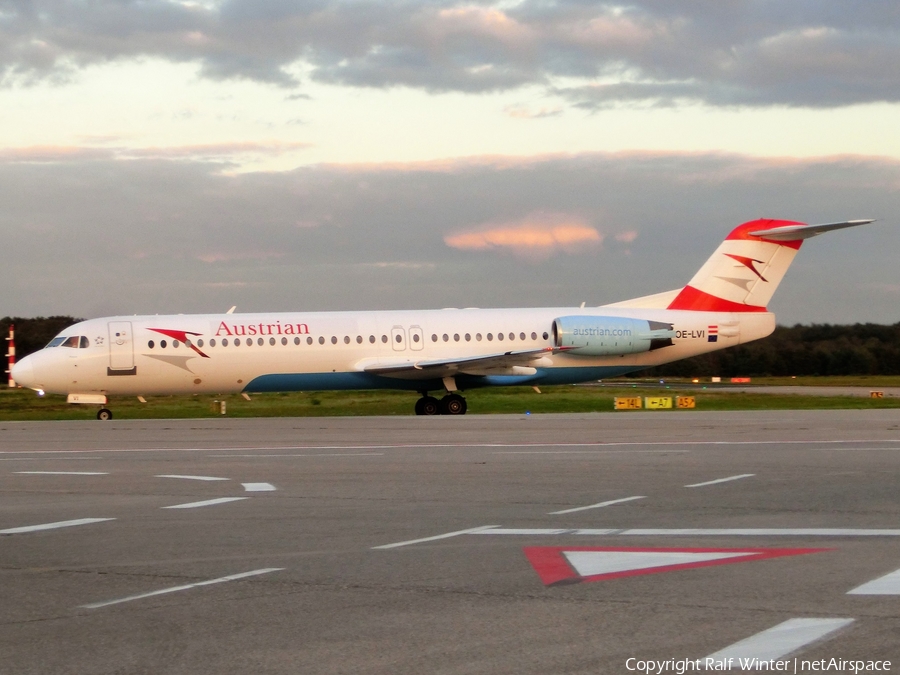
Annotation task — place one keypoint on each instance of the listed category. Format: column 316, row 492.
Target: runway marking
column 207, row 502
column 557, row 565
column 781, row 640
column 596, row 506
column 64, row 473
column 259, row 487
column 53, row 526
column 591, row 452
column 473, row 530
column 696, row 532
column 44, row 459
column 330, row 454
column 889, row 584
column 721, row 480
column 403, row 446
column 185, row 587
column 191, row 477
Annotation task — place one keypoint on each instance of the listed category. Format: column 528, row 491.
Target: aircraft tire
column 453, row 404
column 428, row 405
column 104, row 414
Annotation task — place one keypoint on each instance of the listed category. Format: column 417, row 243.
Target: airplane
column 443, row 350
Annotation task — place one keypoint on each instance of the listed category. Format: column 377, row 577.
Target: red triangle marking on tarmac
column 575, row 564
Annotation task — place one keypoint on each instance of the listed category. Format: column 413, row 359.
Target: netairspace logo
column 682, row 666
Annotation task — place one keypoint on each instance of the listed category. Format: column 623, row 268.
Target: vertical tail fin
column 743, row 273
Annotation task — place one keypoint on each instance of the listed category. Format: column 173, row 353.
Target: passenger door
column 398, row 338
column 121, row 349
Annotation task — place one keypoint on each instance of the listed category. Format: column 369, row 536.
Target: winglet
column 797, row 232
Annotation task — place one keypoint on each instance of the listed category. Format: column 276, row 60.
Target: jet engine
column 610, row 335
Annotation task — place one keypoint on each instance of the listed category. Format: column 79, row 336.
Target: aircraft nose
column 23, row 372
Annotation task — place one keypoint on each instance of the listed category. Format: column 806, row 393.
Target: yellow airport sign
column 628, row 403
column 657, row 402
column 685, row 402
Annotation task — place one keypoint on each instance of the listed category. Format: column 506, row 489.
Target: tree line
column 817, row 349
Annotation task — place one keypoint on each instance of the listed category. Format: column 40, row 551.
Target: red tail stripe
column 692, row 299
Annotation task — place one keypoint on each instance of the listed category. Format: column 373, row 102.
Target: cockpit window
column 55, row 342
column 84, row 344
column 71, row 342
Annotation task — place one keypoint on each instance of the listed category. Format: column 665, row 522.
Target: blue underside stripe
column 334, row 381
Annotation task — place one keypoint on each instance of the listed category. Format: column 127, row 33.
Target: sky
column 168, row 157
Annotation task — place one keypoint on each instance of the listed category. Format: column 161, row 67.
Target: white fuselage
column 144, row 355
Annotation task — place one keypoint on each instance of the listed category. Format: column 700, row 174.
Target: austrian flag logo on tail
column 712, row 333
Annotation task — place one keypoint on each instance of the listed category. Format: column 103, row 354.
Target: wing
column 506, row 363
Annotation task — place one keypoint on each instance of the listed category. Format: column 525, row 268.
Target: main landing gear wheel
column 453, row 404
column 104, row 414
column 428, row 405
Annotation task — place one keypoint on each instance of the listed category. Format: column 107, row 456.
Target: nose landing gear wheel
column 104, row 414
column 427, row 405
column 453, row 404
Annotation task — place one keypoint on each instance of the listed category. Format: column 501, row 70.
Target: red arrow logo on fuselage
column 182, row 336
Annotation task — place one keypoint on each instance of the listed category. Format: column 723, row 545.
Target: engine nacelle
column 610, row 335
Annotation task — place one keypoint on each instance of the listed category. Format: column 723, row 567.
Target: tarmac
column 591, row 543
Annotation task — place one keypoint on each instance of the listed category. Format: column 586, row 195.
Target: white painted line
column 259, row 487
column 326, row 454
column 473, row 530
column 44, row 459
column 53, row 526
column 207, row 502
column 175, row 589
column 779, row 641
column 591, row 452
column 765, row 532
column 721, row 480
column 889, row 584
column 65, row 473
column 415, row 446
column 696, row 532
column 191, row 477
column 596, row 506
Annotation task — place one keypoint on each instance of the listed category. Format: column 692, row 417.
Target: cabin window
column 162, row 344
column 384, row 338
column 512, row 336
column 399, row 338
column 271, row 341
column 283, row 341
column 333, row 339
column 372, row 339
column 456, row 337
column 521, row 336
column 309, row 340
column 359, row 339
column 249, row 342
column 259, row 341
column 322, row 340
column 499, row 336
column 212, row 343
column 478, row 337
column 346, row 339
column 237, row 342
column 534, row 336
column 434, row 337
column 545, row 335
column 200, row 342
column 415, row 337
column 490, row 337
column 224, row 342
column 150, row 344
column 468, row 337
column 445, row 337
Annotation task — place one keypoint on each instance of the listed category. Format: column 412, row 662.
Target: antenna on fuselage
column 231, row 311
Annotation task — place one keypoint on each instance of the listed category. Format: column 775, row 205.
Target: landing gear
column 428, row 405
column 451, row 404
column 104, row 414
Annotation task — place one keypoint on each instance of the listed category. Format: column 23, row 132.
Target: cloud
column 211, row 151
column 649, row 52
column 431, row 234
column 537, row 236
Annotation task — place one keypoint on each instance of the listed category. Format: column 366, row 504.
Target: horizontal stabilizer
column 797, row 232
